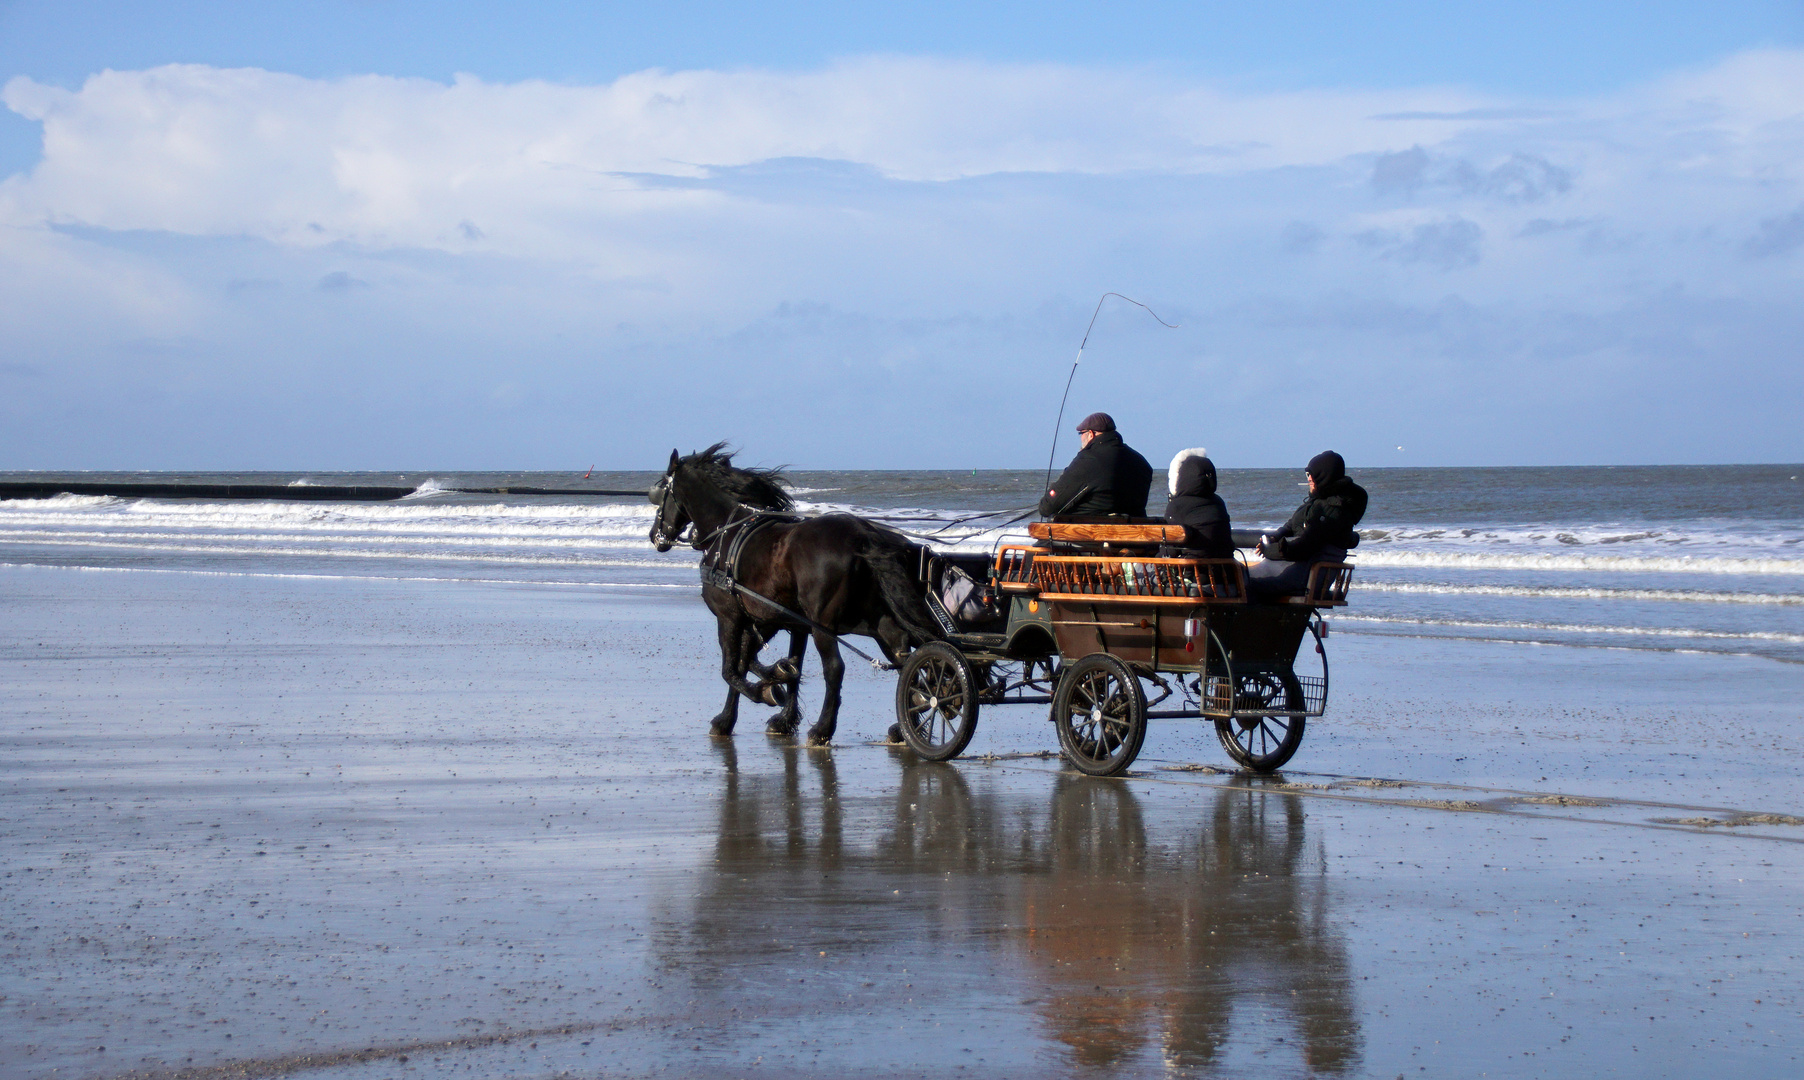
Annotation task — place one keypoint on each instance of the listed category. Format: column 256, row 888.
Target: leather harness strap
column 720, row 568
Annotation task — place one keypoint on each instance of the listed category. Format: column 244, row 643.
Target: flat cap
column 1097, row 421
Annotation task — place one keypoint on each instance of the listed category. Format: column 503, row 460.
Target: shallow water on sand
column 318, row 827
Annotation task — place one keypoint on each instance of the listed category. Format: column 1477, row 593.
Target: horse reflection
column 1133, row 939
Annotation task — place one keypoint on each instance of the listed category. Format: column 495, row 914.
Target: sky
column 385, row 235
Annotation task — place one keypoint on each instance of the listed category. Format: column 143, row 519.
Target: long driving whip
column 1059, row 424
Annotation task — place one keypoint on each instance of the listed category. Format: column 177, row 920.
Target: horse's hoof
column 820, row 740
column 720, row 730
column 778, row 727
column 786, row 671
column 773, row 694
column 894, row 734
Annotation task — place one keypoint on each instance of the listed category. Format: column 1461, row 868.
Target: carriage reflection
column 1126, row 938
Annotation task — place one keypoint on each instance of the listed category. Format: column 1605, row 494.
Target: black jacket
column 1325, row 520
column 1118, row 478
column 1200, row 510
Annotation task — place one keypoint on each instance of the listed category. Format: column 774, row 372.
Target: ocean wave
column 63, row 501
column 1568, row 593
column 412, row 539
column 1620, row 564
column 550, row 582
column 99, row 510
column 427, row 489
column 1703, row 536
column 1754, row 653
column 1579, row 628
column 650, row 559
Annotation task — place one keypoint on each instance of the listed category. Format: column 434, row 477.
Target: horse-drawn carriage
column 1084, row 619
column 1090, row 618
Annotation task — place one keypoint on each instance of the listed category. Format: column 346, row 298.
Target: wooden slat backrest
column 1328, row 583
column 1023, row 569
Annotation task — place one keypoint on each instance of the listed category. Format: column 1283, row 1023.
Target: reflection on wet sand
column 1164, row 943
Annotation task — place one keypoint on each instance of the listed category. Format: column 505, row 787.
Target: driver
column 1106, row 477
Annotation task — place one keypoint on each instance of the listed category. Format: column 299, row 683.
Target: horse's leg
column 789, row 672
column 733, row 643
column 778, row 683
column 833, row 670
column 723, row 721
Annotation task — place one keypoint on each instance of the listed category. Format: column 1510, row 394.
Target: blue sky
column 406, row 235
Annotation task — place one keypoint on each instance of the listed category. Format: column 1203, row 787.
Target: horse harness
column 726, row 546
column 720, row 568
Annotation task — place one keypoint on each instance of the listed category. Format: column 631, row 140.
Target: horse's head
column 671, row 519
column 705, row 490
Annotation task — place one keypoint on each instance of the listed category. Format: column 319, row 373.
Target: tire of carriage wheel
column 1100, row 710
column 1264, row 743
column 936, row 701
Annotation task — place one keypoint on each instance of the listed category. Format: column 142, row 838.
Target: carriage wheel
column 1100, row 711
column 936, row 701
column 1263, row 743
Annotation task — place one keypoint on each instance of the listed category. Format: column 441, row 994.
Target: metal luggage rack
column 1253, row 695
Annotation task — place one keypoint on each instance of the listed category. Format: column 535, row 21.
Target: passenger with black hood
column 1195, row 505
column 1320, row 531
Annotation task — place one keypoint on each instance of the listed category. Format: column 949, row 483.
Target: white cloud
column 406, row 161
column 501, row 243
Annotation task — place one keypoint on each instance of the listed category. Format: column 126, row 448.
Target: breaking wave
column 1609, row 564
column 1600, row 593
column 1579, row 628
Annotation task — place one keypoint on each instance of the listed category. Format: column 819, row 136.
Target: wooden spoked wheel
column 1100, row 710
column 1263, row 743
column 936, row 701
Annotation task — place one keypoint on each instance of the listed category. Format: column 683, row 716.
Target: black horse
column 846, row 575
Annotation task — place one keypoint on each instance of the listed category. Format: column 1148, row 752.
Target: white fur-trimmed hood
column 1171, row 483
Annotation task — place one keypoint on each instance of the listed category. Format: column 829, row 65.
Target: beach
column 262, row 823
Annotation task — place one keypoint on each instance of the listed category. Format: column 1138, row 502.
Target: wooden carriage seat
column 1328, row 584
column 1086, row 532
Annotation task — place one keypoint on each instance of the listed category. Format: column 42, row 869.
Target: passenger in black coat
column 1117, row 477
column 1195, row 505
column 1321, row 530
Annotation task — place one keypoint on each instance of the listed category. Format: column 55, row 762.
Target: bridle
column 662, row 536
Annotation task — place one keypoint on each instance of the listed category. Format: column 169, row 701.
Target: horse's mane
column 762, row 488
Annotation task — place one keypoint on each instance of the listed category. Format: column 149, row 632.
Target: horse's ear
column 673, row 457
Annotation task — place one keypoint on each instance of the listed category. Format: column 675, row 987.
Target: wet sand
column 329, row 828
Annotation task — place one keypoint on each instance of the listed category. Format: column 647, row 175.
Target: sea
column 1702, row 559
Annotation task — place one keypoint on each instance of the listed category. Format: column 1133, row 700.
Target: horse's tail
column 900, row 590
